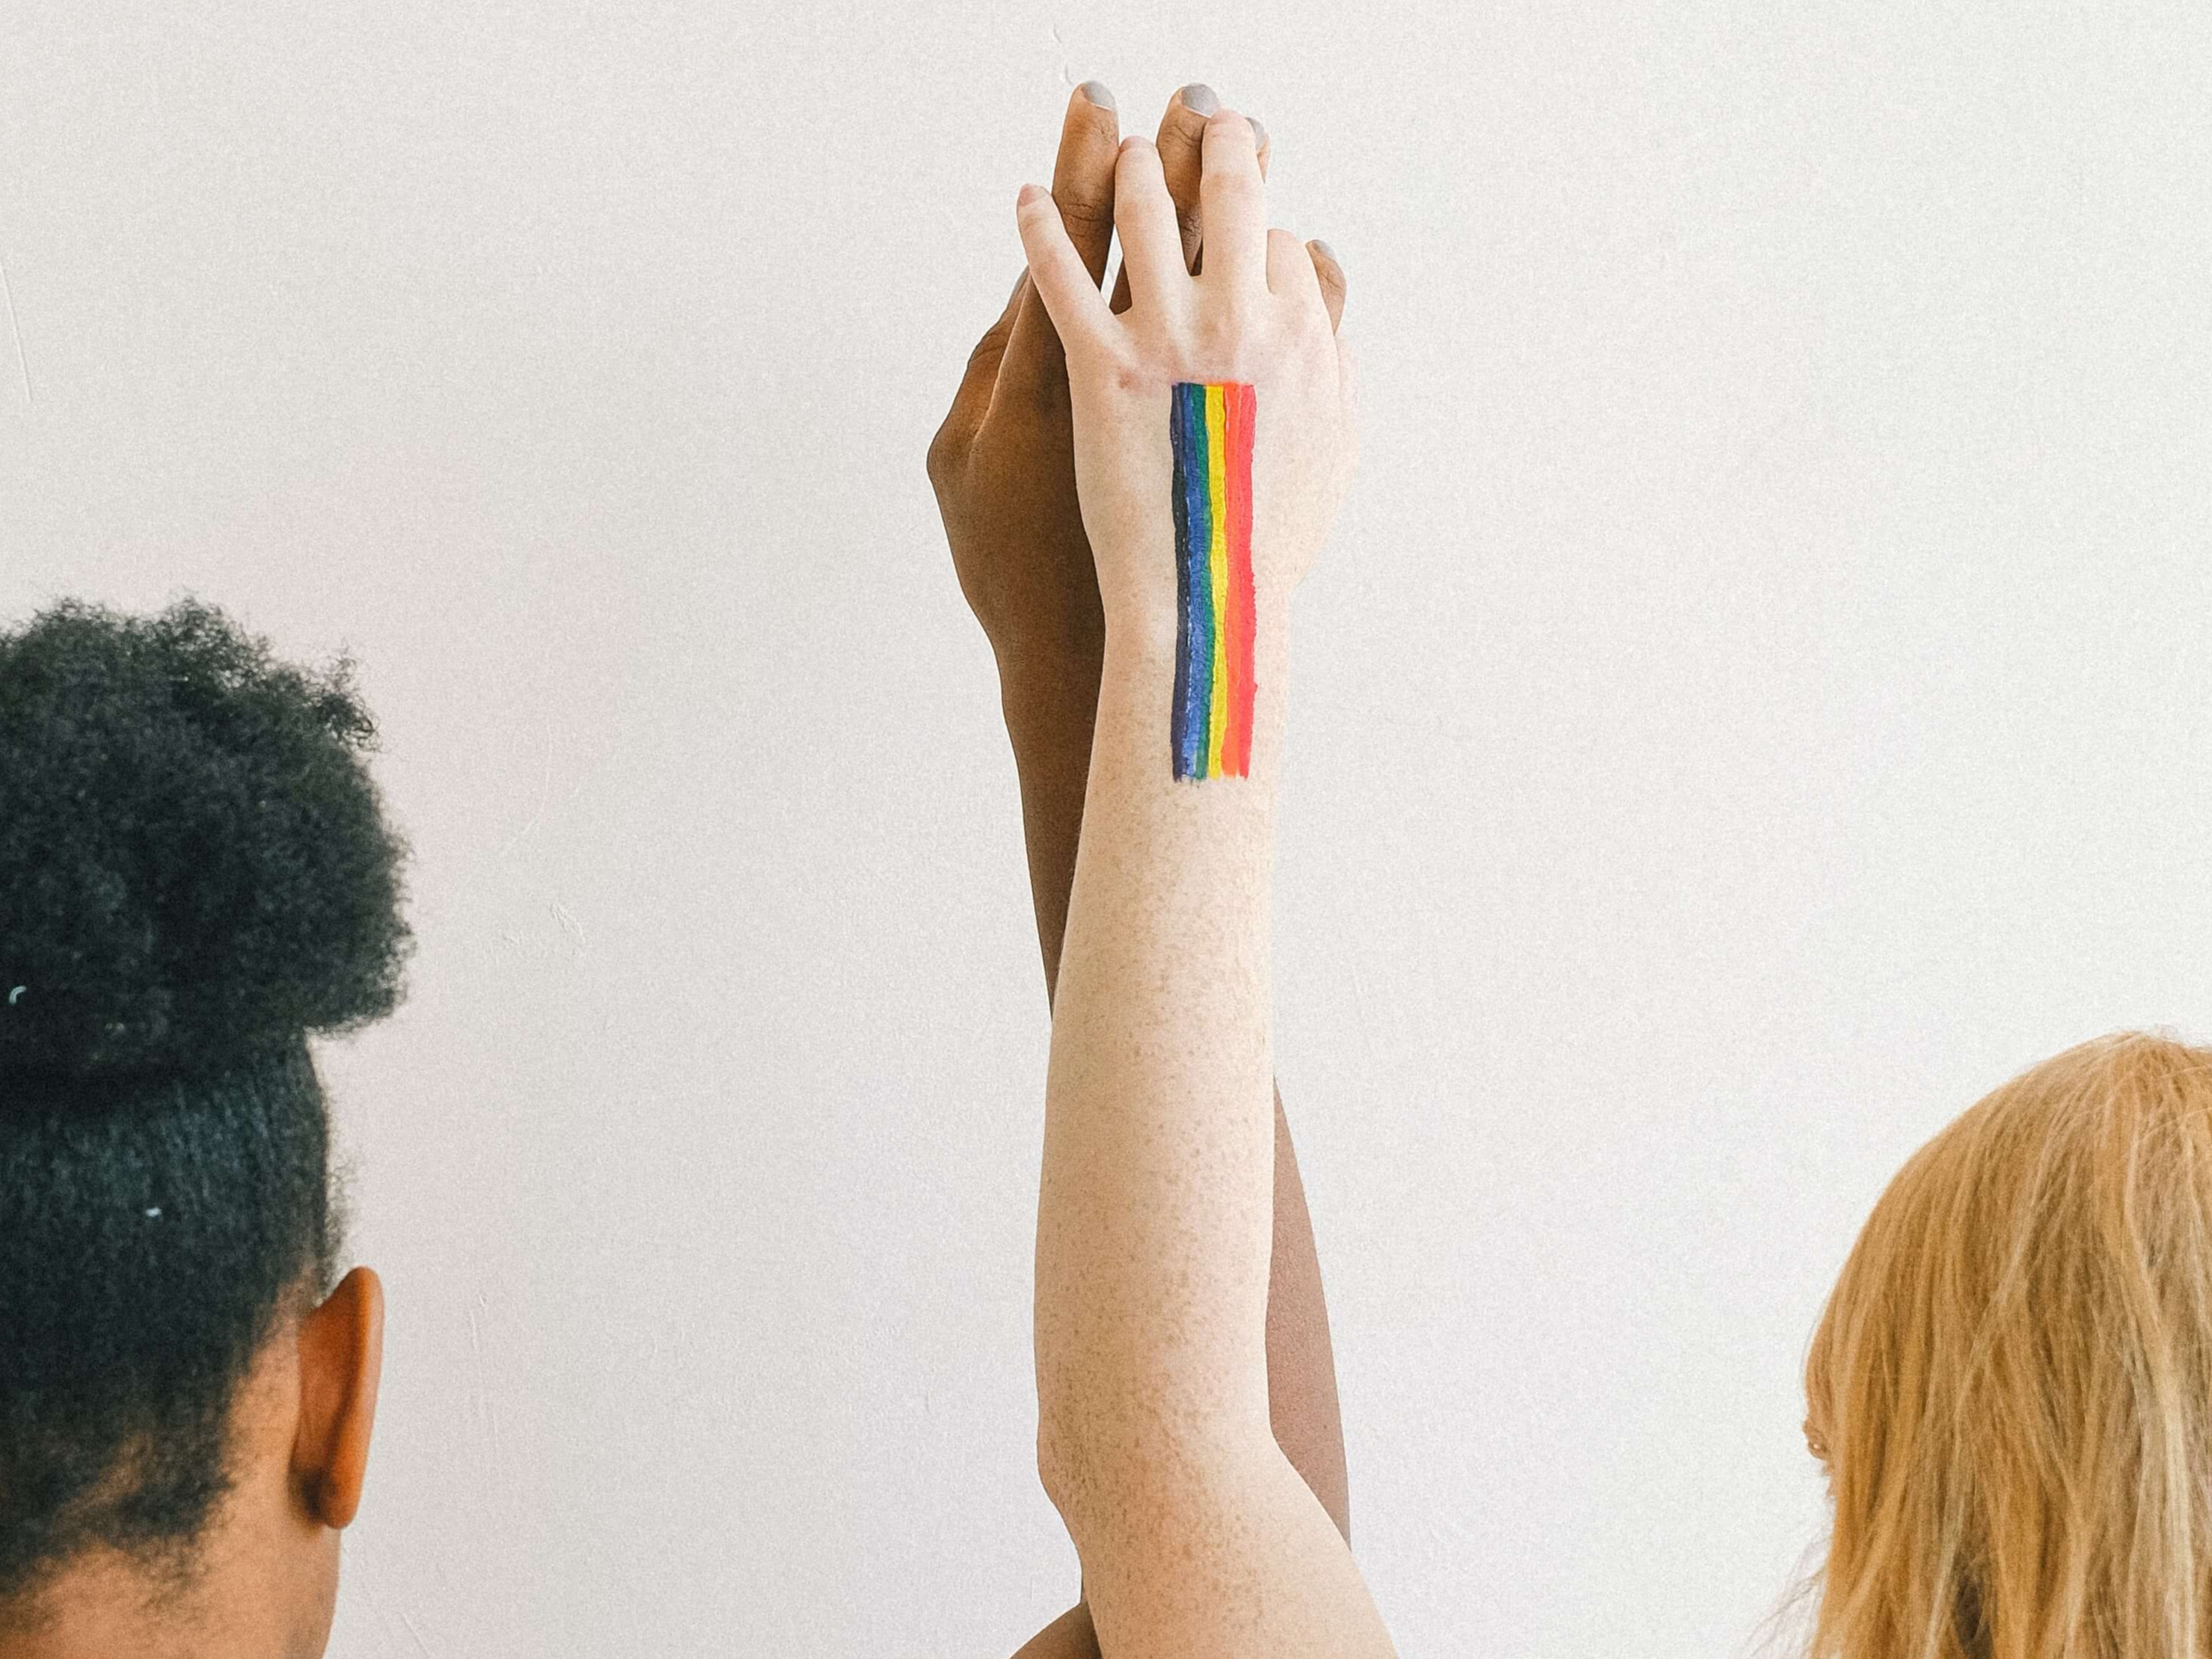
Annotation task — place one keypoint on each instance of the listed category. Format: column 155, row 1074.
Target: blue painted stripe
column 1178, row 717
column 1196, row 581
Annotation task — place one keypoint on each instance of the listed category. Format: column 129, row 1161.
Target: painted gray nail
column 1097, row 93
column 1327, row 252
column 1259, row 133
column 1198, row 98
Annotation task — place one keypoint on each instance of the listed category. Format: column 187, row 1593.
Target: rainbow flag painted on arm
column 1210, row 432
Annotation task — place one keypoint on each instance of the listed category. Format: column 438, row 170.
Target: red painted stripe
column 1237, row 737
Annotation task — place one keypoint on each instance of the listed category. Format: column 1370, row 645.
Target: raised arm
column 1213, row 439
column 1003, row 466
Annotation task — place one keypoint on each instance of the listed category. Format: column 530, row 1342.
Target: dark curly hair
column 195, row 875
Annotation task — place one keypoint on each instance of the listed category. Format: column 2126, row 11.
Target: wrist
column 1154, row 614
column 1050, row 644
column 1157, row 625
column 1207, row 708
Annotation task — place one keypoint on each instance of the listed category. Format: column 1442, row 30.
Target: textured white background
column 1757, row 700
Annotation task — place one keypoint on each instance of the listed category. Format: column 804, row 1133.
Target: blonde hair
column 2014, row 1378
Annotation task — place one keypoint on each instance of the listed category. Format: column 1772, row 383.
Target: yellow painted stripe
column 1217, row 454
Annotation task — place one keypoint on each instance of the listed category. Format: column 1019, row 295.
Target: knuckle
column 1121, row 369
column 1087, row 211
column 1217, row 335
column 942, row 460
column 1183, row 126
column 1233, row 184
column 1097, row 122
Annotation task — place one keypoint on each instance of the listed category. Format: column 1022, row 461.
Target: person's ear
column 341, row 1361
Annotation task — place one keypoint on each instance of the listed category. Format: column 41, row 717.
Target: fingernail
column 1029, row 193
column 1259, row 133
column 1097, row 93
column 1198, row 98
column 1327, row 252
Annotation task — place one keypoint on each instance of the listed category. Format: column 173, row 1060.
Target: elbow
column 1075, row 1460
column 1059, row 1459
column 1101, row 1462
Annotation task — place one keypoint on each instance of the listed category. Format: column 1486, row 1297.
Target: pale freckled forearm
column 1157, row 1210
column 1050, row 700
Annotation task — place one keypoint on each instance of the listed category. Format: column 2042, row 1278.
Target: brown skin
column 1003, row 468
column 265, row 1575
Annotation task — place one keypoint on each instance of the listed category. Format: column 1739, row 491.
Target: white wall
column 1756, row 700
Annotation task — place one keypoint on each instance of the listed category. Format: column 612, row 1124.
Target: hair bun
column 194, row 865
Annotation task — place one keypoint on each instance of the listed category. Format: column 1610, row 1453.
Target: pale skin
column 262, row 1579
column 1195, row 1532
column 1003, row 467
